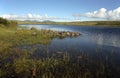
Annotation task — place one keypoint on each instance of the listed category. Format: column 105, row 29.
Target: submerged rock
column 68, row 34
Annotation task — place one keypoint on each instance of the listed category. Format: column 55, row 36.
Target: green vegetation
column 97, row 23
column 16, row 63
column 6, row 23
column 82, row 23
column 22, row 63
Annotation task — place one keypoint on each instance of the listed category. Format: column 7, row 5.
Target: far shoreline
column 83, row 23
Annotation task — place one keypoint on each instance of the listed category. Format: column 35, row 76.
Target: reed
column 16, row 62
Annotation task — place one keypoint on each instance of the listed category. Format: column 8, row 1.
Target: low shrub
column 7, row 23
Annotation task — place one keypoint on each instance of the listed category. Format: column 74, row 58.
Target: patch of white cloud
column 101, row 14
column 114, row 14
column 29, row 16
column 7, row 16
column 97, row 14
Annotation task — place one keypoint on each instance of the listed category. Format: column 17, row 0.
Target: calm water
column 98, row 47
column 105, row 40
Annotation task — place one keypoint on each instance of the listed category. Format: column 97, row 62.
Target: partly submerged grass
column 23, row 36
column 18, row 63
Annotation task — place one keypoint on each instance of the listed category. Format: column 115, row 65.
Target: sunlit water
column 98, row 44
column 92, row 37
column 105, row 40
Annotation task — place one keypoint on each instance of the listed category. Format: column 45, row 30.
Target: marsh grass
column 20, row 63
column 9, row 36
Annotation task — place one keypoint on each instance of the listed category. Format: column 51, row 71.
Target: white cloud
column 29, row 16
column 101, row 14
column 9, row 16
column 114, row 14
column 97, row 14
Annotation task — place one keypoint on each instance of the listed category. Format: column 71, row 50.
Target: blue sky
column 60, row 10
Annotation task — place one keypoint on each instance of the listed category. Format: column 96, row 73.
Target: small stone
column 34, row 34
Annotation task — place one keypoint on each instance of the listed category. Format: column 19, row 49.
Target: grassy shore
column 12, row 60
column 22, row 63
column 14, row 36
column 82, row 23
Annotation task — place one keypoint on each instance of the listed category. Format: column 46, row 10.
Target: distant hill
column 31, row 21
column 38, row 21
column 47, row 21
column 78, row 23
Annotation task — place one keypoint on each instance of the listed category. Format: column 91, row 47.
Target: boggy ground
column 10, row 58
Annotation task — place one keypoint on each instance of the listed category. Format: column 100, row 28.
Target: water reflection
column 91, row 38
column 106, row 39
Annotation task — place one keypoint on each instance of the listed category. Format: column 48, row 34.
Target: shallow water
column 105, row 40
column 97, row 48
column 92, row 38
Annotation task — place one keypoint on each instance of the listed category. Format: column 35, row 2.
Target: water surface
column 94, row 41
column 96, row 50
column 92, row 38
